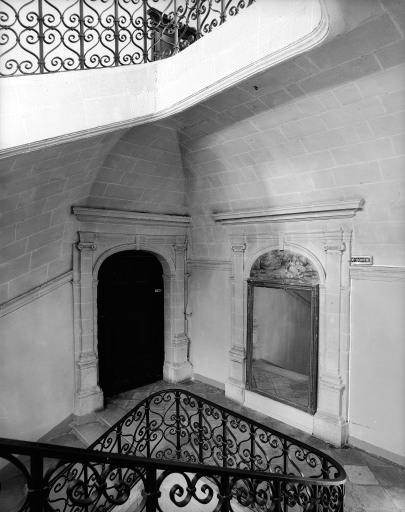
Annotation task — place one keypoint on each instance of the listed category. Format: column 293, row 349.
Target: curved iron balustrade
column 44, row 36
column 176, row 449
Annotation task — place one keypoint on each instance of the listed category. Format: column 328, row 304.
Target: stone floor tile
column 398, row 496
column 352, row 504
column 390, row 476
column 360, row 475
column 111, row 414
column 69, row 439
column 373, row 460
column 373, row 498
column 89, row 432
column 347, row 455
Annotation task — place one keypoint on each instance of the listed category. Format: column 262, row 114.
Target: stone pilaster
column 235, row 386
column 330, row 421
column 177, row 366
column 88, row 396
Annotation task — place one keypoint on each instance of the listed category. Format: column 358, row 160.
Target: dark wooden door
column 130, row 321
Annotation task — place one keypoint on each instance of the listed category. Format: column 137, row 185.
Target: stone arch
column 294, row 248
column 168, row 275
column 164, row 259
column 93, row 248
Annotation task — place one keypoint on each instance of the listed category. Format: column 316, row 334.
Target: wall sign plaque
column 362, row 260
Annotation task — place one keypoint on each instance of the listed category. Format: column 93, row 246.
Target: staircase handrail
column 108, row 471
column 47, row 36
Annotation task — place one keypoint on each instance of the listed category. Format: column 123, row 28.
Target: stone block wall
column 328, row 125
column 143, row 172
column 37, row 192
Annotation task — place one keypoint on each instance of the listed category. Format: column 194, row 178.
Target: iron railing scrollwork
column 45, row 36
column 172, row 450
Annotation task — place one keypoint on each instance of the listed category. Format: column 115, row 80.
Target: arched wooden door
column 130, row 321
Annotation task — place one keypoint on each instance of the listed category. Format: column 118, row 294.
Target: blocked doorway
column 130, row 321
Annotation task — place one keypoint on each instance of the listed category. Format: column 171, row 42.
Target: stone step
column 111, row 414
column 89, row 432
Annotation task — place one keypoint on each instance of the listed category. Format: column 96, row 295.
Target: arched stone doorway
column 109, row 232
column 130, row 321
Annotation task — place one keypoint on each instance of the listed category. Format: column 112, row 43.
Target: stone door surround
column 322, row 233
column 106, row 232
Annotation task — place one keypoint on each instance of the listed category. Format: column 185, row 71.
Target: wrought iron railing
column 173, row 450
column 44, row 36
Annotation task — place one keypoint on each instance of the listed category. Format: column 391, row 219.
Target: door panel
column 130, row 321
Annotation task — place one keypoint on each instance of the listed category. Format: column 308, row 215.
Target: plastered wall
column 36, row 366
column 377, row 377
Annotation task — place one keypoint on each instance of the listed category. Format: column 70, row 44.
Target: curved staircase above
column 40, row 110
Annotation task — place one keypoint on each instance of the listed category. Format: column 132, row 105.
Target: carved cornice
column 292, row 213
column 99, row 215
column 377, row 273
column 35, row 293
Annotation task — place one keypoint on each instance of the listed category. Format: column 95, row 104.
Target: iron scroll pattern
column 45, row 36
column 176, row 449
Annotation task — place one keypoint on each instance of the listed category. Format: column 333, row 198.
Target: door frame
column 158, row 273
column 162, row 235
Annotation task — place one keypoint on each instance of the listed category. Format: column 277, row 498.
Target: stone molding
column 325, row 247
column 217, row 265
column 107, row 232
column 100, row 215
column 35, row 293
column 377, row 273
column 301, row 212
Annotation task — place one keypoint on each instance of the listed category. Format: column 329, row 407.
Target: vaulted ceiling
column 326, row 125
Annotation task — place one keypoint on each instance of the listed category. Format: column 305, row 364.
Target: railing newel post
column 147, row 418
column 222, row 17
column 41, row 37
column 225, row 494
column 200, row 433
column 81, row 35
column 116, row 34
column 178, row 440
column 145, row 32
column 151, row 489
column 176, row 30
column 36, row 493
column 279, row 496
column 252, row 447
column 224, row 439
column 198, row 16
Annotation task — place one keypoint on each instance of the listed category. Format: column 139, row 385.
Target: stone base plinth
column 88, row 401
column 177, row 372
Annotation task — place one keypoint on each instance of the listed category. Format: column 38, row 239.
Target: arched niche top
column 284, row 266
column 164, row 259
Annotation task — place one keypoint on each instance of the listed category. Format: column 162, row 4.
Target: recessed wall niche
column 282, row 329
